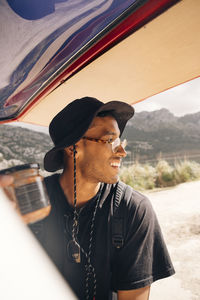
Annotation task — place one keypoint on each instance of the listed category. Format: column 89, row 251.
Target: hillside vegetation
column 149, row 135
column 23, row 144
column 145, row 176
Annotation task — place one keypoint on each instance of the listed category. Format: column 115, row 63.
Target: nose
column 121, row 151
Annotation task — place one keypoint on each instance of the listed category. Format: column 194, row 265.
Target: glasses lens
column 124, row 144
column 117, row 143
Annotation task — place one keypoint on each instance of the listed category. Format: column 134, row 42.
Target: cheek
column 98, row 163
column 96, row 157
column 102, row 158
column 98, row 152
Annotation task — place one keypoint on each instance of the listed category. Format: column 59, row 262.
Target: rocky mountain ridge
column 152, row 133
column 149, row 134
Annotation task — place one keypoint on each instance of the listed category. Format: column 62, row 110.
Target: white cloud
column 180, row 100
column 30, row 126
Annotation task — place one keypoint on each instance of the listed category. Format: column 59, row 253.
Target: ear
column 70, row 150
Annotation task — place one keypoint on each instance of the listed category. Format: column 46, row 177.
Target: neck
column 84, row 190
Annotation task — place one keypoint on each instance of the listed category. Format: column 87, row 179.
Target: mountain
column 23, row 144
column 149, row 134
column 149, row 121
column 152, row 133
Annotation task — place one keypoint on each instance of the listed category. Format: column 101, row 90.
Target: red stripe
column 135, row 21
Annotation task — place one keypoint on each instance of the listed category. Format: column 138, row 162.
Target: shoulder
column 131, row 197
column 134, row 204
column 51, row 179
column 52, row 187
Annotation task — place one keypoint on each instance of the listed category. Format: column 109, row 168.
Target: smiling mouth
column 115, row 165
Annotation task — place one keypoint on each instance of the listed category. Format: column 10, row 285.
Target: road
column 178, row 211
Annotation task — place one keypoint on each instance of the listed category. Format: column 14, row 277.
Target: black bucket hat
column 71, row 123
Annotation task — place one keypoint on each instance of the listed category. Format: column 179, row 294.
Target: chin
column 112, row 180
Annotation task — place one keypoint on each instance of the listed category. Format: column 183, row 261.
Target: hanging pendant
column 73, row 250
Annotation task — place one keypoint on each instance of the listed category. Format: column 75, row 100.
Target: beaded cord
column 89, row 269
column 76, row 215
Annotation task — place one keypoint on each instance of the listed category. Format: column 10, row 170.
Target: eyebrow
column 105, row 133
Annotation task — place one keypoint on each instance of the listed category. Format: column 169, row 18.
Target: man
column 5, row 180
column 78, row 233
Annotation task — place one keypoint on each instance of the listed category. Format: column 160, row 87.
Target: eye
column 110, row 140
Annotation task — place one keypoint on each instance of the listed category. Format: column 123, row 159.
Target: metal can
column 28, row 191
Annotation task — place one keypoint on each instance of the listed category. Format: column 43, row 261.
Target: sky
column 180, row 100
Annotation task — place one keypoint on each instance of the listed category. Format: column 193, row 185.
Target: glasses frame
column 114, row 148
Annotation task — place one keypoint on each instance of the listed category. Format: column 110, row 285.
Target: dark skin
column 96, row 163
column 5, row 180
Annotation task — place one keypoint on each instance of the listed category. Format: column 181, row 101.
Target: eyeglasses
column 115, row 144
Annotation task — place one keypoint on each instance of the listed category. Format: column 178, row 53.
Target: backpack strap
column 117, row 214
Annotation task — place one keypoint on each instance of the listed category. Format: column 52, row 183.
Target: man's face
column 96, row 161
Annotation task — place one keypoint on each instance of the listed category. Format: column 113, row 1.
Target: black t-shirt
column 142, row 259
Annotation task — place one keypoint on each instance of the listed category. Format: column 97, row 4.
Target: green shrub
column 144, row 176
column 140, row 177
column 186, row 171
column 126, row 175
column 165, row 174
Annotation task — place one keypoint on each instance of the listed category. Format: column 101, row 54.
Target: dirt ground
column 178, row 211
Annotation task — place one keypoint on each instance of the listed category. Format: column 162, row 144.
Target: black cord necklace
column 74, row 248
